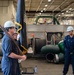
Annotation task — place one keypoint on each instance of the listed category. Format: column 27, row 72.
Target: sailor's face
column 12, row 30
column 15, row 35
column 70, row 32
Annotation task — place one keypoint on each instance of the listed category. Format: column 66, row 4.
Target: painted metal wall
column 40, row 31
column 7, row 11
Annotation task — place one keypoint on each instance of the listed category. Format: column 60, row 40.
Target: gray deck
column 44, row 68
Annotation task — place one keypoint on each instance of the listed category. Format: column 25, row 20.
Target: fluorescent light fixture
column 49, row 0
column 59, row 15
column 41, row 10
column 46, row 5
column 44, row 8
column 70, row 9
column 62, row 13
column 40, row 13
column 67, row 11
column 72, row 15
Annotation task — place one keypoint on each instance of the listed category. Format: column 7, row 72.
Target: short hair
column 7, row 28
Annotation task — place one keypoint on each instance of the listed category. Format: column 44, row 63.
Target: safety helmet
column 70, row 28
column 9, row 24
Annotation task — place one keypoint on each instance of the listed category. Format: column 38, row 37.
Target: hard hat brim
column 69, row 30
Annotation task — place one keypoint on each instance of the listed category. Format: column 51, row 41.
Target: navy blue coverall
column 10, row 66
column 69, row 53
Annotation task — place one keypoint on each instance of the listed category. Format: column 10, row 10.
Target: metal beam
column 39, row 5
column 43, row 12
column 60, row 5
column 63, row 10
column 68, row 6
column 50, row 5
column 29, row 5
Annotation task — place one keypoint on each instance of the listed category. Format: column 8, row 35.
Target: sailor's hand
column 22, row 58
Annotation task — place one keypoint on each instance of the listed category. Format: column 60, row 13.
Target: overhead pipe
column 50, row 4
column 29, row 5
column 60, row 5
column 66, row 7
column 54, row 19
column 39, row 5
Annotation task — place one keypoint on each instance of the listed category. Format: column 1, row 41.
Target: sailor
column 69, row 50
column 10, row 53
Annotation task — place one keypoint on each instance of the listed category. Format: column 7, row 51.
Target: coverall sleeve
column 65, row 46
column 8, row 47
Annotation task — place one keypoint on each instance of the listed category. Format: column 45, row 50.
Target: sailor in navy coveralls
column 69, row 50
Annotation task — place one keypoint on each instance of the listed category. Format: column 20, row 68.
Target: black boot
column 64, row 74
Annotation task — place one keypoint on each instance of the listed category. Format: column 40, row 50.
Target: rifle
column 20, row 52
